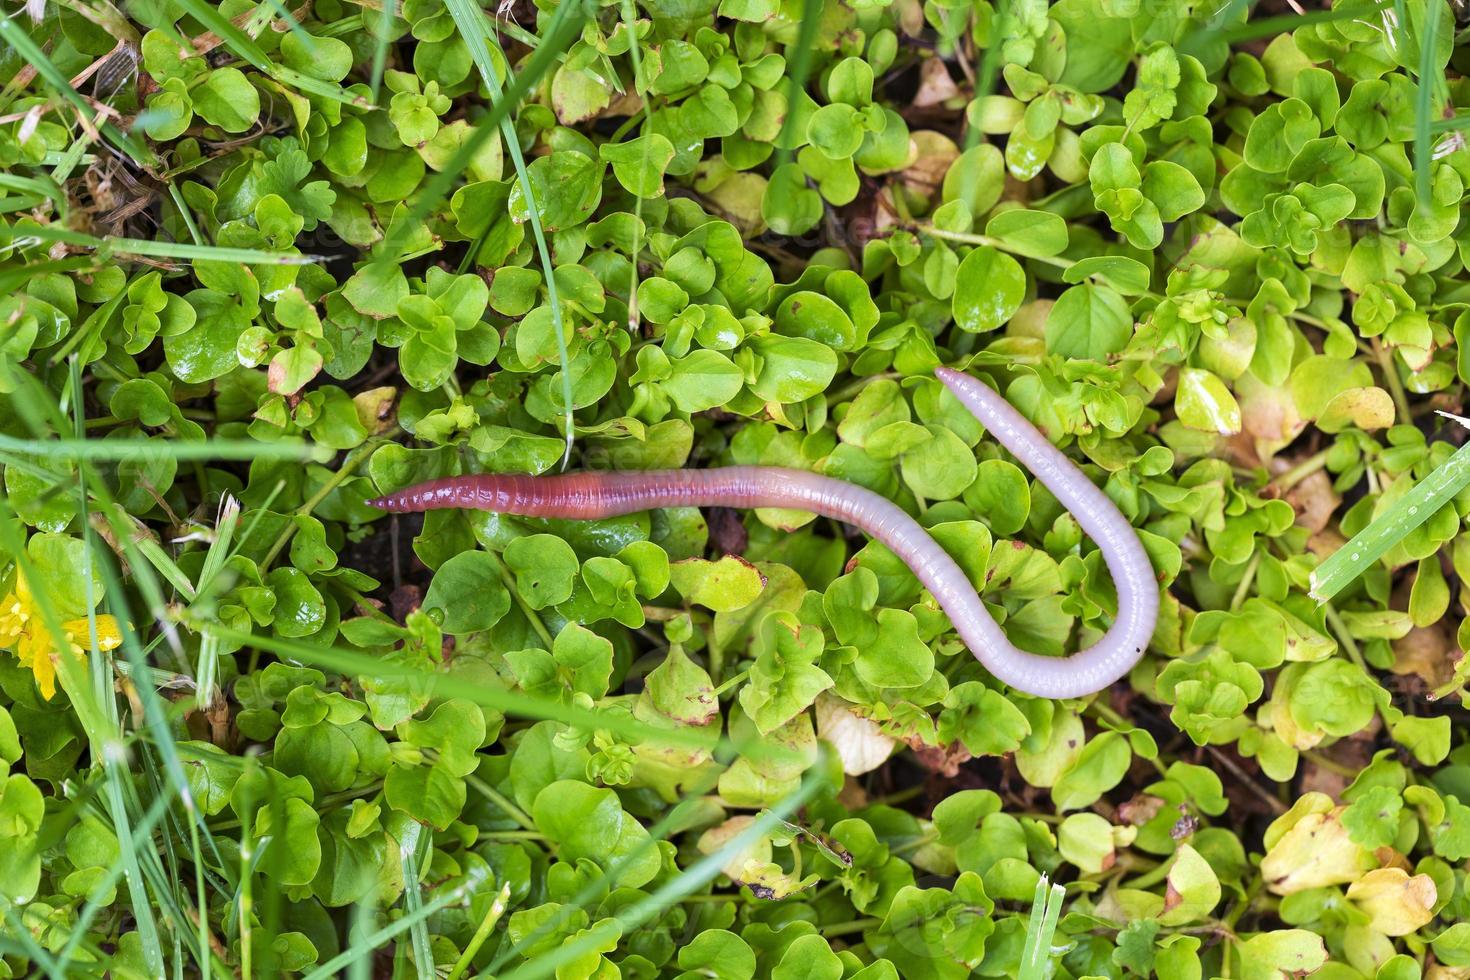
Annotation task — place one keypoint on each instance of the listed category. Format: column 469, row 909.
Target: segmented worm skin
column 589, row 496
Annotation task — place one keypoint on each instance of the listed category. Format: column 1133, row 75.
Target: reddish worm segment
column 589, row 496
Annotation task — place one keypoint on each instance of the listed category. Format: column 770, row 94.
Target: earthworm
column 590, row 496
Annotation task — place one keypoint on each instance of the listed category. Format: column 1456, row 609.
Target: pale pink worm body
column 589, row 496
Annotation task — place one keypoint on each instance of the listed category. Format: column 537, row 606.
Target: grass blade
column 116, row 450
column 1393, row 525
column 108, row 751
column 469, row 17
column 380, row 53
column 13, row 279
column 354, row 664
column 1265, row 27
column 19, row 41
column 799, row 65
column 245, row 48
column 380, row 938
column 694, row 877
column 565, row 24
column 1046, row 911
column 1424, row 100
column 413, row 899
column 17, row 940
column 25, row 234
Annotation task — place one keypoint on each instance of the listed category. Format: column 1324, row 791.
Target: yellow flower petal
column 109, row 633
column 45, row 670
column 13, row 616
column 34, row 645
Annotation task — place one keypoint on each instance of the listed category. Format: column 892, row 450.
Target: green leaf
column 1089, row 322
column 784, row 681
column 789, row 207
column 989, row 288
column 566, row 187
column 227, row 100
column 1193, row 889
column 723, row 586
column 1033, row 233
column 792, row 369
column 1101, row 766
column 640, row 164
column 468, row 591
column 701, row 380
column 835, row 130
column 1283, row 953
column 1204, row 403
column 718, row 953
column 545, row 567
column 586, row 822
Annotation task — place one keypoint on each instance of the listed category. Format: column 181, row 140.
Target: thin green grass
column 17, row 940
column 1424, row 99
column 1216, row 31
column 351, row 663
column 97, row 715
column 694, row 877
column 13, row 279
column 116, row 450
column 469, row 18
column 23, row 235
column 565, row 25
column 380, row 51
column 19, row 41
column 33, row 191
column 96, row 707
column 482, row 932
column 245, row 48
column 108, row 752
column 1423, row 103
column 605, row 76
column 1436, row 490
column 94, row 904
column 206, row 677
column 294, row 26
column 409, row 849
column 175, row 786
column 381, row 937
column 1041, row 927
column 635, row 55
column 95, row 322
column 798, row 68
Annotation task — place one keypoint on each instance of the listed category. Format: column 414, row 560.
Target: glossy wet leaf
column 989, row 287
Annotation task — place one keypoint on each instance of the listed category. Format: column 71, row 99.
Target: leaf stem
column 1246, row 579
column 1384, row 357
column 972, row 239
column 533, row 617
column 1340, row 630
column 731, row 682
column 512, row 835
column 1302, row 470
column 499, row 799
column 349, row 466
column 848, row 928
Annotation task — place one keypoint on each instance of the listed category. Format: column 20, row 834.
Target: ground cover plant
column 264, row 262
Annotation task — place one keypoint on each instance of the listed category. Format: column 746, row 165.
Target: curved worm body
column 589, row 496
